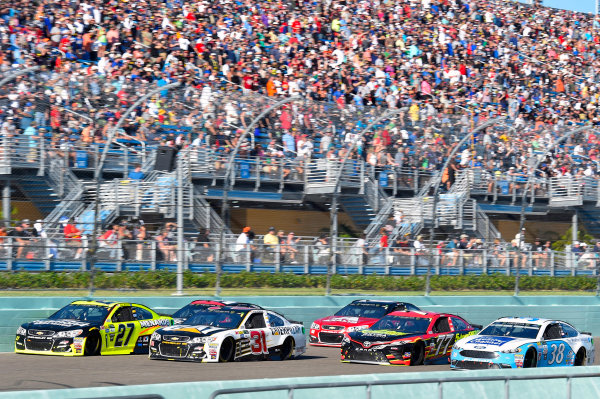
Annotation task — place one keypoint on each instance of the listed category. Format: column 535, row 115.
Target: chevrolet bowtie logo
column 39, row 333
column 175, row 339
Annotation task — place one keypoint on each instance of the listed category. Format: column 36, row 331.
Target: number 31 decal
column 258, row 342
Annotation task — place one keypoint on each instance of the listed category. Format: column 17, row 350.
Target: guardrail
column 114, row 255
column 290, row 388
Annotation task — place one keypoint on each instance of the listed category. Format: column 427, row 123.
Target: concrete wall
column 582, row 388
column 582, row 312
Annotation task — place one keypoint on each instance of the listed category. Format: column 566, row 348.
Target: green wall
column 583, row 312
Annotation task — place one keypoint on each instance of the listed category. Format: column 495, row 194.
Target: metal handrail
column 290, row 388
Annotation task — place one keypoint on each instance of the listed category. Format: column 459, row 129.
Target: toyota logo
column 367, row 344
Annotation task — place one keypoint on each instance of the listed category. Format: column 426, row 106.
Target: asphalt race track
column 25, row 372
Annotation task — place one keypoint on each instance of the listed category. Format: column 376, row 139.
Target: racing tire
column 92, row 345
column 530, row 360
column 287, row 349
column 227, row 351
column 580, row 358
column 418, row 354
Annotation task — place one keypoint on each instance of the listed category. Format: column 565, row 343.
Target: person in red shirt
column 72, row 236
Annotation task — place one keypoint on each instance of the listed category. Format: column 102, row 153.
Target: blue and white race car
column 521, row 342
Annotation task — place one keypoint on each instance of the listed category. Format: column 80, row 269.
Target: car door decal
column 442, row 344
column 124, row 334
column 258, row 342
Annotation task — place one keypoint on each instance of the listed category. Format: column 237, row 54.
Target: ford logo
column 367, row 344
column 479, row 347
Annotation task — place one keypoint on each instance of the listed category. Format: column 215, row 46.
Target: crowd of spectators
column 447, row 64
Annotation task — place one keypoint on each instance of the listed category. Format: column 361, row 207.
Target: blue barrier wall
column 582, row 312
column 581, row 388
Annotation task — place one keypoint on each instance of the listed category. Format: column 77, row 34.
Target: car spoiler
column 477, row 326
column 585, row 332
column 296, row 322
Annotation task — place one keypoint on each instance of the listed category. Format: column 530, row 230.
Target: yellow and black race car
column 91, row 328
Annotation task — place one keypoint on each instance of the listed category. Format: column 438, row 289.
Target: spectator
column 136, row 174
column 21, row 236
column 242, row 246
column 72, row 236
column 271, row 241
column 203, row 241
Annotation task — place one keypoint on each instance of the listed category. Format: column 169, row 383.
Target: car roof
column 528, row 320
column 381, row 301
column 223, row 303
column 417, row 313
column 108, row 304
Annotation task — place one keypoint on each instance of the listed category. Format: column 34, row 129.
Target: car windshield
column 403, row 324
column 372, row 310
column 515, row 330
column 92, row 313
column 190, row 310
column 217, row 318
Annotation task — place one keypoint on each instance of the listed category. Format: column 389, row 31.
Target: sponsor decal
column 155, row 322
column 367, row 344
column 285, row 330
column 212, row 352
column 519, row 363
column 518, row 356
column 62, row 323
column 78, row 342
column 381, row 333
column 498, row 341
column 407, row 354
column 352, row 320
column 145, row 338
column 213, row 357
column 77, row 350
column 461, row 336
column 480, row 347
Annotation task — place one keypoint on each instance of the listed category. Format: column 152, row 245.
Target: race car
column 91, row 328
column 408, row 338
column 230, row 333
column 202, row 304
column 523, row 342
column 355, row 316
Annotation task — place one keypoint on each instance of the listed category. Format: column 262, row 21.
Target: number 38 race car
column 91, row 328
column 516, row 342
column 229, row 333
column 407, row 339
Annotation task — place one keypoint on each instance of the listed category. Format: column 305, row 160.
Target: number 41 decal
column 258, row 342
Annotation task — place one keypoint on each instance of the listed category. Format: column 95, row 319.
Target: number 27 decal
column 258, row 342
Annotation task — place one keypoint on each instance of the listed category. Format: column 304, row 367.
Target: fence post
column 278, row 258
column 413, row 268
column 387, row 265
column 42, row 151
column 120, row 255
column 461, row 260
column 552, row 264
column 248, row 256
column 484, row 259
column 9, row 254
column 362, row 178
column 529, row 261
column 508, row 260
column 152, row 255
column 307, row 259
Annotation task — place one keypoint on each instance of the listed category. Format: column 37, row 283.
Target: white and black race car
column 230, row 333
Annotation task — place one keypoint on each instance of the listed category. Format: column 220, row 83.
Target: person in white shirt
column 241, row 245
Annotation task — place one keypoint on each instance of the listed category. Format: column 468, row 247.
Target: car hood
column 345, row 321
column 190, row 331
column 372, row 336
column 491, row 342
column 59, row 324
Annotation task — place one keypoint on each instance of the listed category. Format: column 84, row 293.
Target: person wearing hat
column 241, row 245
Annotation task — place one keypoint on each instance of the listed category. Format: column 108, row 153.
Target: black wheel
column 287, row 349
column 92, row 345
column 418, row 354
column 530, row 359
column 580, row 358
column 227, row 350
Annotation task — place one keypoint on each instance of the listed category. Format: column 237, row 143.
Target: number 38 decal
column 557, row 353
column 258, row 342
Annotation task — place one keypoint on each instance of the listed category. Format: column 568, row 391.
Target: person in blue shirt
column 136, row 173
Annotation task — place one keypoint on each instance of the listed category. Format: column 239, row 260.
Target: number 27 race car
column 229, row 333
column 520, row 342
column 91, row 328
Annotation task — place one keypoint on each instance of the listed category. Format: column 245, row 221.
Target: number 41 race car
column 91, row 328
column 521, row 342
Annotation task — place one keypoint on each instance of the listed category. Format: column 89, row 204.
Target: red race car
column 408, row 338
column 358, row 315
column 202, row 304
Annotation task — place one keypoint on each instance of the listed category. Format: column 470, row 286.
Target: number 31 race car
column 91, row 328
column 355, row 316
column 225, row 334
column 515, row 342
column 406, row 339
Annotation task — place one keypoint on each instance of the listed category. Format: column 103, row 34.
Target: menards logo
column 156, row 322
